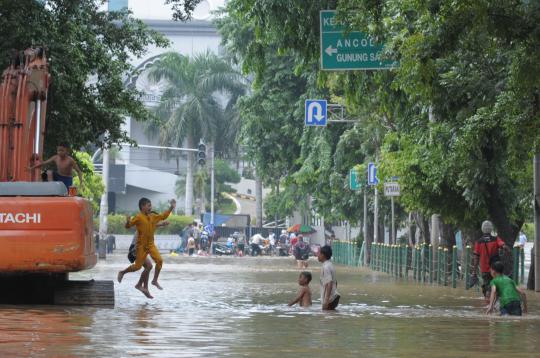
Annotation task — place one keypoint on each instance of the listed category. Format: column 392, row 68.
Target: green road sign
column 354, row 50
column 354, row 180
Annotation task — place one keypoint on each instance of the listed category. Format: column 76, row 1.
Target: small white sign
column 391, row 189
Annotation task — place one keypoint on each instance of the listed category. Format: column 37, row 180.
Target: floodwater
column 236, row 307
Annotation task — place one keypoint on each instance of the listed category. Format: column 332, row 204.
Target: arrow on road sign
column 329, row 50
column 314, row 111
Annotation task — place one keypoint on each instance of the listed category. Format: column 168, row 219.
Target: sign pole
column 376, row 217
column 536, row 223
column 212, row 185
column 393, row 223
column 367, row 244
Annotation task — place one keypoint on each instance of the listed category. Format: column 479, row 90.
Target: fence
column 403, row 261
column 347, row 253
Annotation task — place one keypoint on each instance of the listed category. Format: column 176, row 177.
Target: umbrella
column 301, row 229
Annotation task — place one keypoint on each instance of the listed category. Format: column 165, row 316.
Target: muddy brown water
column 236, row 307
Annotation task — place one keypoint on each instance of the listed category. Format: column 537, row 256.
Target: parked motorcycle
column 222, row 249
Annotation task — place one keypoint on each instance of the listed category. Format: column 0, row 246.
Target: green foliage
column 93, row 184
column 224, row 173
column 226, row 207
column 457, row 121
column 89, row 52
column 115, row 225
column 189, row 106
column 183, row 9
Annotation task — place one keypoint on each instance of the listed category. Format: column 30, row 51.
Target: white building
column 146, row 172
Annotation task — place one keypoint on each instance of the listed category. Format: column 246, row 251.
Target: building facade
column 153, row 173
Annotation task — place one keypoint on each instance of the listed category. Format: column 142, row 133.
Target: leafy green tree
column 456, row 120
column 190, row 108
column 93, row 184
column 88, row 53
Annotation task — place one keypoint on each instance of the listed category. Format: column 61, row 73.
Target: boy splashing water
column 146, row 222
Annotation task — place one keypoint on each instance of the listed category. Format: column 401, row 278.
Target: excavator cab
column 45, row 233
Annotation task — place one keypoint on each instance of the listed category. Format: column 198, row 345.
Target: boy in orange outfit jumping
column 146, row 221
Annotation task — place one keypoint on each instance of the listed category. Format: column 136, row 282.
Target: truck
column 46, row 232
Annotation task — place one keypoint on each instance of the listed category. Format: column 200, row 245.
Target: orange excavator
column 45, row 233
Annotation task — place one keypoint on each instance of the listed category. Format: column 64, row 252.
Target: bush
column 116, row 224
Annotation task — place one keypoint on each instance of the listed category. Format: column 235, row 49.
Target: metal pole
column 467, row 264
column 212, row 185
column 537, row 222
column 37, row 139
column 104, row 204
column 168, row 148
column 454, row 266
column 376, row 217
column 435, row 242
column 515, row 270
column 522, row 265
column 367, row 246
column 393, row 236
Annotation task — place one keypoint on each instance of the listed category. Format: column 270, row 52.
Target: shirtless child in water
column 65, row 165
column 303, row 298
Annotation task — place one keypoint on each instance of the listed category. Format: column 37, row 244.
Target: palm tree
column 194, row 105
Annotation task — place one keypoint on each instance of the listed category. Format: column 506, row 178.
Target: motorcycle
column 204, row 241
column 222, row 249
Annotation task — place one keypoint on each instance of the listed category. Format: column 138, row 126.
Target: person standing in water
column 329, row 295
column 146, row 222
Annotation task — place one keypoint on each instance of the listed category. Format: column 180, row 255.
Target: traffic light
column 201, row 154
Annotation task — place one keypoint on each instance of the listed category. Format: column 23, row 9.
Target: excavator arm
column 23, row 103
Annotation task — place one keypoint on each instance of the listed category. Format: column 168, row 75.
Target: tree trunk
column 448, row 237
column 530, row 280
column 497, row 211
column 411, row 230
column 422, row 234
column 188, row 208
column 258, row 200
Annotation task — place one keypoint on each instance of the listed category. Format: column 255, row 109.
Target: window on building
column 117, row 5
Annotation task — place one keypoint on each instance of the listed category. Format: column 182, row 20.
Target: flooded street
column 237, row 307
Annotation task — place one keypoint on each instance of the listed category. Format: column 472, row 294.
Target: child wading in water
column 146, row 222
column 303, row 298
column 510, row 295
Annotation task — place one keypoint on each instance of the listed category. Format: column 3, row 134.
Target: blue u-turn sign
column 316, row 114
column 372, row 174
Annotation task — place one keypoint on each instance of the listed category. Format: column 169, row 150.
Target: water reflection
column 237, row 307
